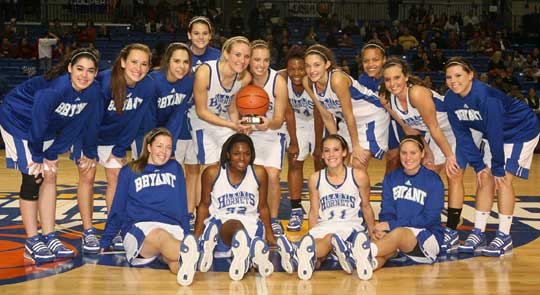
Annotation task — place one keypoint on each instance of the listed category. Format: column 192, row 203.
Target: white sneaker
column 240, row 252
column 259, row 257
column 209, row 240
column 286, row 251
column 189, row 256
column 362, row 255
column 306, row 257
column 343, row 253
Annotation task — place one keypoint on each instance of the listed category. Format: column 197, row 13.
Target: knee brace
column 30, row 187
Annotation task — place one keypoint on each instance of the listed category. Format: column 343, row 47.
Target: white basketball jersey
column 301, row 103
column 411, row 116
column 241, row 199
column 339, row 202
column 218, row 97
column 269, row 87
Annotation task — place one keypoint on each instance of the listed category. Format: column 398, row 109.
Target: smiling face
column 259, row 62
column 200, row 35
column 239, row 156
column 82, row 73
column 395, row 81
column 316, row 67
column 238, row 56
column 136, row 66
column 459, row 80
column 179, row 65
column 373, row 61
column 160, row 150
column 296, row 70
column 333, row 153
column 410, row 156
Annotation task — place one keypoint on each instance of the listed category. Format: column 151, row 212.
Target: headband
column 81, row 53
column 374, row 45
column 412, row 139
column 259, row 44
column 458, row 63
column 317, row 52
column 202, row 19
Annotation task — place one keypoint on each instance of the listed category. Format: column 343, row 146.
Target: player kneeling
column 150, row 209
column 233, row 211
column 339, row 198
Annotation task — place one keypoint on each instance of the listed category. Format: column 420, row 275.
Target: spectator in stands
column 438, row 62
column 483, row 77
column 476, row 45
column 168, row 26
column 496, row 64
column 365, row 30
column 499, row 43
column 88, row 34
column 451, row 25
column 439, row 40
column 531, row 70
column 345, row 41
column 407, row 41
column 45, row 45
column 310, row 37
column 351, row 28
column 57, row 28
column 453, row 40
column 104, row 32
column 237, row 23
column 6, row 49
column 344, row 65
column 417, row 59
column 428, row 83
column 391, row 43
column 152, row 26
column 25, row 49
column 470, row 20
column 509, row 81
column 73, row 33
column 533, row 100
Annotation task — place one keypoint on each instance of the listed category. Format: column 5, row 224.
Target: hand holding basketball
column 252, row 100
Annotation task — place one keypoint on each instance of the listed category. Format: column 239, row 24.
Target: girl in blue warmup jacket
column 39, row 120
column 149, row 208
column 410, row 217
column 127, row 93
column 511, row 130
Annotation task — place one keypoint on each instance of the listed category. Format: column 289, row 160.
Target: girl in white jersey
column 233, row 205
column 422, row 109
column 269, row 137
column 363, row 120
column 304, row 127
column 340, row 210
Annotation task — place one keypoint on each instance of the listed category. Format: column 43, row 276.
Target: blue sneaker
column 189, row 256
column 59, row 250
column 90, row 242
column 343, row 253
column 208, row 242
column 475, row 239
column 451, row 240
column 501, row 244
column 191, row 222
column 286, row 251
column 361, row 251
column 307, row 257
column 35, row 249
column 240, row 247
column 277, row 229
column 118, row 243
column 296, row 219
column 259, row 257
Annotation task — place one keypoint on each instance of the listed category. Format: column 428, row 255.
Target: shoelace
column 276, row 228
column 38, row 247
column 91, row 239
column 473, row 239
column 55, row 245
column 295, row 219
column 496, row 243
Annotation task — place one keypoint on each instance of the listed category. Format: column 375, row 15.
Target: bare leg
column 485, row 192
column 47, row 202
column 401, row 239
column 193, row 186
column 112, row 181
column 295, row 178
column 228, row 229
column 506, row 196
column 322, row 248
column 161, row 242
column 274, row 190
column 392, row 160
column 29, row 211
column 85, row 196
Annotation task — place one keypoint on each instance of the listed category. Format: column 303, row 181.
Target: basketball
column 252, row 100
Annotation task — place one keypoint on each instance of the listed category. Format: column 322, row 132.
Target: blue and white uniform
column 239, row 202
column 303, row 108
column 41, row 119
column 509, row 126
column 210, row 53
column 270, row 144
column 118, row 131
column 153, row 198
column 395, row 132
column 340, row 209
column 371, row 118
column 415, row 202
column 170, row 109
column 209, row 138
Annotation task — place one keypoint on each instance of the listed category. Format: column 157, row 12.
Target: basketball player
column 233, row 205
column 511, row 130
column 373, row 57
column 339, row 198
column 128, row 92
column 269, row 136
column 363, row 122
column 305, row 127
column 149, row 208
column 199, row 33
column 39, row 120
column 410, row 217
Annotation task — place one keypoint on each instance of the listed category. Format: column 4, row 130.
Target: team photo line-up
column 230, row 120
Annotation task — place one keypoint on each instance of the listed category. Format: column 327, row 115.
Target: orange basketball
column 252, row 100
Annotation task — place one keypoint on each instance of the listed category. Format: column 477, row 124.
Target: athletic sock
column 296, row 204
column 453, row 217
column 505, row 222
column 480, row 220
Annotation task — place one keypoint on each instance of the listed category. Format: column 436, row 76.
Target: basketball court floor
column 517, row 273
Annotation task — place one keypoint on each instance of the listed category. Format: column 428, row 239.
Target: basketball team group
column 230, row 120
